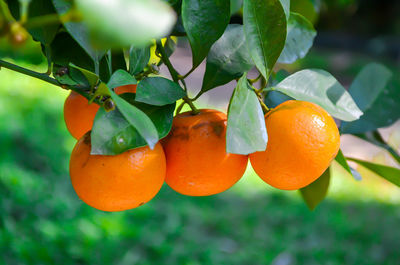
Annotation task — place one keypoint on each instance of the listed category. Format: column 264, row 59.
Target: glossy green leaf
column 91, row 77
column 316, row 192
column 391, row 174
column 121, row 78
column 321, row 88
column 138, row 119
column 112, row 134
column 121, row 23
column 265, row 30
column 228, row 59
column 299, row 39
column 246, row 132
column 158, row 91
column 343, row 162
column 138, row 59
column 205, row 22
column 377, row 93
column 78, row 30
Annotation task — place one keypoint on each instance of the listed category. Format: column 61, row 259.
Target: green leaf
column 391, row 174
column 321, row 88
column 158, row 91
column 91, row 77
column 78, row 30
column 236, row 5
column 205, row 22
column 275, row 98
column 316, row 192
column 138, row 119
column 299, row 39
column 121, row 78
column 138, row 59
column 112, row 134
column 265, row 30
column 65, row 50
column 228, row 59
column 169, row 46
column 121, row 23
column 343, row 162
column 246, row 132
column 376, row 91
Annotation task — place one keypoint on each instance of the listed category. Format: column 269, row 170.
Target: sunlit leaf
column 300, row 38
column 321, row 88
column 391, row 174
column 343, row 162
column 246, row 132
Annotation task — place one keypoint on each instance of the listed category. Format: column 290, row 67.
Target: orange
column 79, row 114
column 125, row 89
column 197, row 163
column 120, row 182
column 302, row 141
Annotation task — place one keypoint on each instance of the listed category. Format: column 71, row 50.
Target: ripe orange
column 79, row 114
column 120, row 182
column 125, row 89
column 302, row 141
column 197, row 162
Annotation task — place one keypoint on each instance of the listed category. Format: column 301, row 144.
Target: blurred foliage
column 44, row 222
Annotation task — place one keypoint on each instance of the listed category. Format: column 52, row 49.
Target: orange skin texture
column 120, row 182
column 197, row 162
column 79, row 114
column 303, row 139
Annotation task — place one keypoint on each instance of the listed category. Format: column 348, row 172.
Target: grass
column 42, row 221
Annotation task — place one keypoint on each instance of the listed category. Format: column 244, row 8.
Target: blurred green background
column 42, row 221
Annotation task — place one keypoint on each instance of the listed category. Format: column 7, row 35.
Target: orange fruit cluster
column 192, row 159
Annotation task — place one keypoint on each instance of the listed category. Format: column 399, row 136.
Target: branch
column 44, row 77
column 174, row 74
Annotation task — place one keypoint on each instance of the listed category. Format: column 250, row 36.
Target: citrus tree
column 127, row 118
